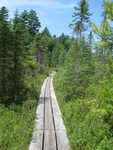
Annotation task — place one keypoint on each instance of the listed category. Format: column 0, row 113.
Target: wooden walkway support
column 49, row 131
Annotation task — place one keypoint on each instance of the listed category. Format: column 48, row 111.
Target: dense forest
column 27, row 56
column 84, row 85
column 83, row 80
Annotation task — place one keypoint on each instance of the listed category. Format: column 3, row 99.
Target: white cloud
column 49, row 4
column 3, row 3
column 48, row 10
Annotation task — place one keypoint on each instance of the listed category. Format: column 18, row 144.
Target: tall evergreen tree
column 31, row 21
column 18, row 58
column 5, row 55
column 65, row 40
column 46, row 32
column 81, row 17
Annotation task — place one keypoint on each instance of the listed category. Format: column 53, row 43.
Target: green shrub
column 89, row 120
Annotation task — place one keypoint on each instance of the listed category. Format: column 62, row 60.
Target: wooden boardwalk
column 49, row 131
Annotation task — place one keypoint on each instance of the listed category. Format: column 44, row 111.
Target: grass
column 17, row 122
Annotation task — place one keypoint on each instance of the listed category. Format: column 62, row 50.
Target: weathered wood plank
column 49, row 142
column 39, row 121
column 49, row 134
column 36, row 143
column 37, row 138
column 49, row 125
column 59, row 125
column 62, row 140
column 53, row 96
column 48, row 112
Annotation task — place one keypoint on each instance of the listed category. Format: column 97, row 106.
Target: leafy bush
column 88, row 120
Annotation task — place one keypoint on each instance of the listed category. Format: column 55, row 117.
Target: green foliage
column 104, row 33
column 83, row 83
column 31, row 21
column 78, row 69
column 16, row 127
column 17, row 58
column 108, row 9
column 5, row 54
column 81, row 17
column 105, row 144
column 84, row 88
column 57, row 54
column 88, row 120
column 66, row 41
column 51, row 51
column 17, row 121
column 20, row 78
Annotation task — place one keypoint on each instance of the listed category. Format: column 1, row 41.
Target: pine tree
column 57, row 54
column 31, row 21
column 5, row 55
column 44, row 45
column 65, row 40
column 78, row 70
column 40, row 53
column 81, row 17
column 46, row 33
column 17, row 52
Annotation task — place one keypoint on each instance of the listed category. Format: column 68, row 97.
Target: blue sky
column 55, row 14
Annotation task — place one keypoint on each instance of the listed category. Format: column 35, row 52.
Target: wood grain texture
column 49, row 139
column 59, row 125
column 36, row 143
column 48, row 112
column 49, row 130
column 62, row 140
column 37, row 138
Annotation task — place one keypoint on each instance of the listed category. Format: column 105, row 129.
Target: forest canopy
column 83, row 80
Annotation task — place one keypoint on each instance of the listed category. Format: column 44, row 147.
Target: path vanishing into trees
column 49, row 131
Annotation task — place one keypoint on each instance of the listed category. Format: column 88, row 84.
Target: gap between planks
column 47, row 131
